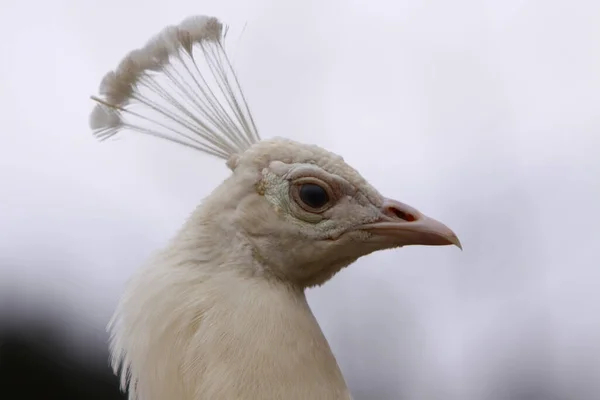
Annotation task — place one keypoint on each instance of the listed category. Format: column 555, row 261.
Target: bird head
column 303, row 212
column 307, row 214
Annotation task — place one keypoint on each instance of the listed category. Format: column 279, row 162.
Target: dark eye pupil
column 313, row 195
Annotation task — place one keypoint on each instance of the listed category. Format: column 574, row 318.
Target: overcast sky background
column 482, row 114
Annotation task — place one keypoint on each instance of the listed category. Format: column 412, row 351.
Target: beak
column 403, row 225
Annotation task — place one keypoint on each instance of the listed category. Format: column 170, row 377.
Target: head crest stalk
column 179, row 87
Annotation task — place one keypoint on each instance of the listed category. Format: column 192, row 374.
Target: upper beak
column 404, row 225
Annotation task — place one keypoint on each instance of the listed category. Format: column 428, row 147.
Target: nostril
column 392, row 211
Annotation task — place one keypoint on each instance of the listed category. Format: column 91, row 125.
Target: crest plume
column 180, row 87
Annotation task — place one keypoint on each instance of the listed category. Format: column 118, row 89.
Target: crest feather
column 180, row 87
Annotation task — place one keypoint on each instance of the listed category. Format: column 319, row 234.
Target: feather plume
column 180, row 87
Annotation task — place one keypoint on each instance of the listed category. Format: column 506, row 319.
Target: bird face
column 311, row 214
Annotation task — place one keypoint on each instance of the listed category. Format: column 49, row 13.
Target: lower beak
column 404, row 226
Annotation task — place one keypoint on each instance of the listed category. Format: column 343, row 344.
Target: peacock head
column 302, row 210
column 310, row 202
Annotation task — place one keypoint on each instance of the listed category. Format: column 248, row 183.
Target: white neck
column 190, row 329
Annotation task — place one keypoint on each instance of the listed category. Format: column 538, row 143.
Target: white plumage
column 221, row 312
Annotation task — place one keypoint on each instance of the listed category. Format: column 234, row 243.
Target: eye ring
column 312, row 195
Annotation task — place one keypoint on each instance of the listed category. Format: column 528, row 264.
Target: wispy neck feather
column 197, row 324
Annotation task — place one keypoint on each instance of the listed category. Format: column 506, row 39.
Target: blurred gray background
column 482, row 114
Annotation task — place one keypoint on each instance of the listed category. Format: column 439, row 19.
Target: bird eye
column 313, row 195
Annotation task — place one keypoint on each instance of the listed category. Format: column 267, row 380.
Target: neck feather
column 198, row 323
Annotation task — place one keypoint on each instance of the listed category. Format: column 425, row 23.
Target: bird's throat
column 228, row 335
column 265, row 341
